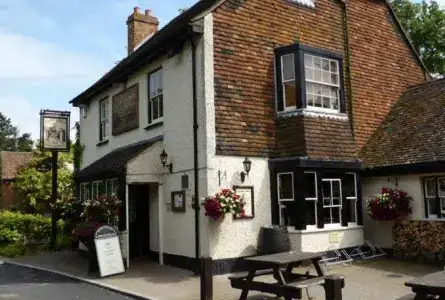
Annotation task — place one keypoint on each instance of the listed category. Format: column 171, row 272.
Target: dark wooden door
column 139, row 221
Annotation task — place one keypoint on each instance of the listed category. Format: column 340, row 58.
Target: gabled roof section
column 115, row 162
column 152, row 47
column 12, row 162
column 413, row 132
column 147, row 51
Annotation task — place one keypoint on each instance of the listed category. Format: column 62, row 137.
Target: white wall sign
column 247, row 193
column 108, row 250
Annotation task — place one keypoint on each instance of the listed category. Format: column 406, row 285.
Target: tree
column 10, row 139
column 425, row 25
column 34, row 187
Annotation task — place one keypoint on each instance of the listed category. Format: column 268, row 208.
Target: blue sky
column 52, row 50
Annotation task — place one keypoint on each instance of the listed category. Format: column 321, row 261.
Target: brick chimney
column 140, row 26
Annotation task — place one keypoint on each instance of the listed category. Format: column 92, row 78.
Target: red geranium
column 226, row 201
column 391, row 204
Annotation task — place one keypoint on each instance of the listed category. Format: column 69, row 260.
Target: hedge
column 16, row 227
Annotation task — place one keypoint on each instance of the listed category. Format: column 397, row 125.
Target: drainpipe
column 195, row 155
column 348, row 62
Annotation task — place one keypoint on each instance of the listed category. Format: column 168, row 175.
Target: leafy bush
column 12, row 249
column 16, row 226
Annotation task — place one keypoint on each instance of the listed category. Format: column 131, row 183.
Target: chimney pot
column 147, row 12
column 136, row 10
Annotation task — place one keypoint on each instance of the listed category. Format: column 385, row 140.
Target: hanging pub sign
column 54, row 130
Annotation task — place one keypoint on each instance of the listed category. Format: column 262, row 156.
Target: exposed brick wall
column 245, row 36
column 246, row 32
column 7, row 196
column 383, row 66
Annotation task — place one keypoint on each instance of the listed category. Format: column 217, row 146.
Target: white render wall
column 380, row 232
column 177, row 131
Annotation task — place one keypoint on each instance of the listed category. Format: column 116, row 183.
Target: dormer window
column 309, row 78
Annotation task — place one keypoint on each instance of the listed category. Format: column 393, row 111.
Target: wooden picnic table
column 288, row 284
column 431, row 286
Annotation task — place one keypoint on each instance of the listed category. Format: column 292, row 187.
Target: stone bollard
column 333, row 285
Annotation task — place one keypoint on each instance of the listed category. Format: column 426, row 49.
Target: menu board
column 108, row 250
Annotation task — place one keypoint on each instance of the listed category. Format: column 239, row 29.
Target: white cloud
column 27, row 58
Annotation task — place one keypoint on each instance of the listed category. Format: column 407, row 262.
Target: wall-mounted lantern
column 164, row 157
column 247, row 165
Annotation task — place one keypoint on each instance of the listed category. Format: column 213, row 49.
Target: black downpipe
column 195, row 160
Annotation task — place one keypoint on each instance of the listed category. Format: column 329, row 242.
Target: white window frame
column 84, row 191
column 294, row 107
column 332, row 206
column 113, row 186
column 338, row 85
column 104, row 119
column 95, row 188
column 313, row 200
column 355, row 197
column 157, row 95
column 281, row 206
column 429, row 197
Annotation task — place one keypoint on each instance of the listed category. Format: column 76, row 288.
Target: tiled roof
column 11, row 162
column 116, row 161
column 413, row 131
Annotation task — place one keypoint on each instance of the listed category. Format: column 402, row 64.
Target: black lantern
column 247, row 165
column 164, row 157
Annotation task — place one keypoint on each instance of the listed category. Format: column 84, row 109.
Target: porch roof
column 115, row 162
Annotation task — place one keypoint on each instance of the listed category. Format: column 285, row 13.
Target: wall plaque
column 108, row 250
column 125, row 111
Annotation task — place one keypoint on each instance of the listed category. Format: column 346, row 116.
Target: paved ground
column 28, row 284
column 378, row 280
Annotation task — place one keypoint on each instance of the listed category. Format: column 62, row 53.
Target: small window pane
column 310, row 100
column 336, row 201
column 352, row 211
column 155, row 108
column 308, row 60
column 288, row 67
column 325, row 91
column 335, row 215
column 311, row 212
column 101, row 188
column 317, row 62
column 442, row 187
column 432, row 206
column 334, row 78
column 317, row 101
column 430, row 187
column 326, row 189
column 326, row 102
column 290, row 94
column 349, row 186
column 336, row 191
column 317, row 75
column 309, row 73
column 334, row 66
column 326, row 77
column 161, row 106
column 325, row 64
column 310, row 185
column 285, row 187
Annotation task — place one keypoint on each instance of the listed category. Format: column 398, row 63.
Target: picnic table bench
column 280, row 265
column 431, row 286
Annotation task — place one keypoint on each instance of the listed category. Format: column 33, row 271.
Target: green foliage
column 10, row 139
column 424, row 23
column 35, row 187
column 17, row 228
column 78, row 149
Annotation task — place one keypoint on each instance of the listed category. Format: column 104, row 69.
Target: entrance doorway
column 139, row 220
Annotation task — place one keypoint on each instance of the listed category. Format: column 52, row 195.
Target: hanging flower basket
column 390, row 204
column 224, row 202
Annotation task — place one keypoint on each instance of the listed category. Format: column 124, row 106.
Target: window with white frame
column 104, row 120
column 285, row 194
column 84, row 191
column 434, row 190
column 308, row 78
column 311, row 197
column 112, row 187
column 97, row 189
column 288, row 81
column 350, row 192
column 322, row 82
column 156, row 97
column 332, row 201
